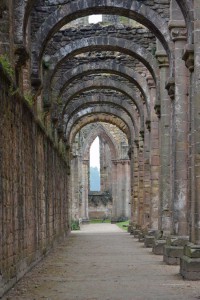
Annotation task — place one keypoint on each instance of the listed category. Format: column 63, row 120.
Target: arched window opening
column 95, row 185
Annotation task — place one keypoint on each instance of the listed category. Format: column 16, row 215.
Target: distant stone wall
column 99, row 205
column 33, row 189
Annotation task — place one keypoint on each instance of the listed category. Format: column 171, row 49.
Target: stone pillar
column 127, row 196
column 114, row 190
column 76, row 177
column 180, row 133
column 154, row 156
column 165, row 222
column 85, row 185
column 135, row 183
column 121, row 189
column 147, row 184
column 141, row 183
column 190, row 262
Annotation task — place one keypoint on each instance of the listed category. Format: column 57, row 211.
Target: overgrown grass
column 96, row 221
column 123, row 225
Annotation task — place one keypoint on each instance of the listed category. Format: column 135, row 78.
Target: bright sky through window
column 94, row 154
column 95, row 19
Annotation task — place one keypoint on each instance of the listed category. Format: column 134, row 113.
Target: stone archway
column 117, row 187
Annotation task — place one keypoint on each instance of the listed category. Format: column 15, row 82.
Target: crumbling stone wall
column 33, row 189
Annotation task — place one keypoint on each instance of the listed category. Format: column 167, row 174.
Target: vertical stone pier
column 154, row 157
column 179, row 125
column 165, row 221
column 85, row 170
column 190, row 262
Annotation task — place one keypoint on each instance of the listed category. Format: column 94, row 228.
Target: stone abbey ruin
column 131, row 79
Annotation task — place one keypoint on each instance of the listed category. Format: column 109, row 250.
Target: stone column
column 136, row 183
column 76, row 177
column 195, row 125
column 180, row 133
column 154, row 156
column 114, row 190
column 127, row 204
column 190, row 262
column 147, row 184
column 85, row 185
column 125, row 188
column 121, row 189
column 141, row 183
column 165, row 222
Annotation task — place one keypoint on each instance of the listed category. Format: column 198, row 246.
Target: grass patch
column 96, row 221
column 123, row 225
column 75, row 225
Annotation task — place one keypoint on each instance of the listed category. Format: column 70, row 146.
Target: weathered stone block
column 190, row 268
column 141, row 237
column 172, row 254
column 177, row 240
column 158, row 246
column 136, row 233
column 148, row 241
column 192, row 251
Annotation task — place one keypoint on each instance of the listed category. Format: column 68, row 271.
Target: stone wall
column 33, row 189
column 99, row 205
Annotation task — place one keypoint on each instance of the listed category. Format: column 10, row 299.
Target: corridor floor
column 101, row 262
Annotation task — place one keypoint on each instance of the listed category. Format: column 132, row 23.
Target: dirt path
column 103, row 263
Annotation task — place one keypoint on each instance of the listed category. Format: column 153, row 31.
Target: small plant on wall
column 6, row 65
column 29, row 98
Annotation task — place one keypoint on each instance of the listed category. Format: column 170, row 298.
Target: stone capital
column 157, row 109
column 188, row 56
column 170, row 86
column 162, row 59
column 148, row 124
column 142, row 134
column 60, row 131
column 36, row 83
column 136, row 143
column 150, row 82
column 179, row 34
column 178, row 30
column 21, row 56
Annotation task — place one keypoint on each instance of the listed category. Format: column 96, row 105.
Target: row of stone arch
column 134, row 93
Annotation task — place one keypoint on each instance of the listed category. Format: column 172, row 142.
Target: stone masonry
column 133, row 81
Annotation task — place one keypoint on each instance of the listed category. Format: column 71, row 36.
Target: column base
column 148, row 241
column 141, row 237
column 190, row 262
column 85, row 221
column 173, row 250
column 149, row 238
column 158, row 247
column 136, row 233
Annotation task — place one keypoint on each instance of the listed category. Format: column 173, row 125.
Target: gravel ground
column 101, row 262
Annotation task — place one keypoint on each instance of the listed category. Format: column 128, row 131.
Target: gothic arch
column 102, row 133
column 103, row 84
column 100, row 116
column 102, row 43
column 95, row 109
column 132, row 9
column 99, row 99
column 100, row 67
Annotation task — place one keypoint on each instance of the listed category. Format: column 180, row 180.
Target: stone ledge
column 190, row 268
